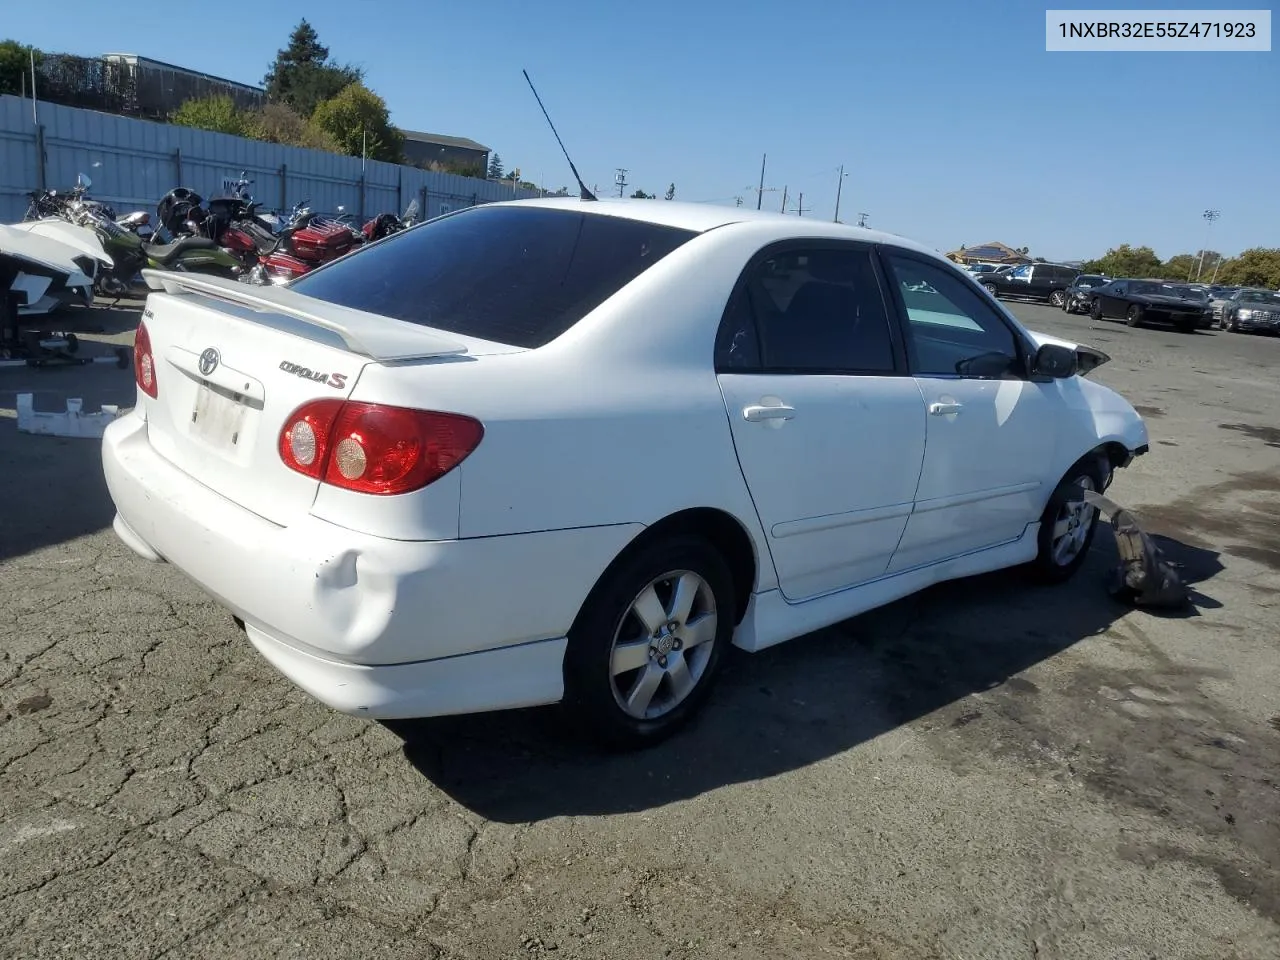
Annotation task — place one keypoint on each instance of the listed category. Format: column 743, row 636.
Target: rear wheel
column 1133, row 317
column 1067, row 525
column 1057, row 298
column 644, row 652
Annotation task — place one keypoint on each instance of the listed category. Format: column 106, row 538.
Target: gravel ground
column 987, row 770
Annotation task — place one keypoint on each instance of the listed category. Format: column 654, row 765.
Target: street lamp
column 1209, row 217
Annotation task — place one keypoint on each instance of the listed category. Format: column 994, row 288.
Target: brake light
column 375, row 448
column 144, row 363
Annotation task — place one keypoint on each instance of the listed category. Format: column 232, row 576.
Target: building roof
column 995, row 250
column 440, row 139
column 137, row 59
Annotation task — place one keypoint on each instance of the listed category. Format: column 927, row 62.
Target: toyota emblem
column 208, row 361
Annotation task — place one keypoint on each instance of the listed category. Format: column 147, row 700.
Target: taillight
column 374, row 448
column 144, row 363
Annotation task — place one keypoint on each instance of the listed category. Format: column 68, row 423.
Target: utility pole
column 35, row 116
column 621, row 180
column 737, row 201
column 800, row 207
column 862, row 219
column 1216, row 267
column 839, row 184
column 760, row 192
column 784, row 199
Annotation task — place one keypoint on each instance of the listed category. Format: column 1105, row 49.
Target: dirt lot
column 988, row 770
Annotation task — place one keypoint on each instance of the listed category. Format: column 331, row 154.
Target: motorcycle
column 306, row 242
column 126, row 249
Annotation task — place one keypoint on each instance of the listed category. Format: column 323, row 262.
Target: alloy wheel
column 663, row 645
column 1071, row 526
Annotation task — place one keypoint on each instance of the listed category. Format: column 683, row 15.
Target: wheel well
column 721, row 530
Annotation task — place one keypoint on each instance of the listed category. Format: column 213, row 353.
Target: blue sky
column 953, row 123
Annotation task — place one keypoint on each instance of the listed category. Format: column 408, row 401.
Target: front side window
column 953, row 331
column 1021, row 273
column 519, row 276
column 802, row 311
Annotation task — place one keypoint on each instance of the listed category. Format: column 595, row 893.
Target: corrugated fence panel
column 133, row 163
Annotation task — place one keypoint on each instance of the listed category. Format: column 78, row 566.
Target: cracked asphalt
column 986, row 770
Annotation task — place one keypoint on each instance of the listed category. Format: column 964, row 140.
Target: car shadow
column 792, row 705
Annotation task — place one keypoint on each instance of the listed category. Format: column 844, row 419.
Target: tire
column 1095, row 310
column 1187, row 326
column 1133, row 316
column 662, row 677
column 1057, row 561
column 1057, row 298
column 991, row 289
column 73, row 342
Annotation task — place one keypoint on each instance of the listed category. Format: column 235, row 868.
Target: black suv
column 1032, row 281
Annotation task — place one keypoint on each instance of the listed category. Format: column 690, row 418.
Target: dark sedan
column 1148, row 301
column 1252, row 308
column 1077, row 298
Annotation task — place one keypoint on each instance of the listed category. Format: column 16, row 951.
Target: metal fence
column 133, row 163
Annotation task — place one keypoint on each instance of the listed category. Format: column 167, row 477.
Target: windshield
column 515, row 276
column 1086, row 280
column 1259, row 296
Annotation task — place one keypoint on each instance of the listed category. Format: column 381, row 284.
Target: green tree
column 218, row 113
column 279, row 123
column 1126, row 261
column 302, row 75
column 671, row 192
column 358, row 120
column 1180, row 266
column 15, row 66
column 495, row 167
column 1256, row 267
column 641, row 195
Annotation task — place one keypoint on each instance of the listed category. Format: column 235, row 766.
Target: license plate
column 217, row 419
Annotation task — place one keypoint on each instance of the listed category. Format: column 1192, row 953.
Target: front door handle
column 755, row 413
column 945, row 409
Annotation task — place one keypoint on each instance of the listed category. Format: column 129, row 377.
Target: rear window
column 519, row 276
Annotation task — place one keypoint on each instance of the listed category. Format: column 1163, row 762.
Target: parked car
column 1032, row 281
column 562, row 450
column 979, row 269
column 1076, row 294
column 1218, row 297
column 1251, row 308
column 1139, row 302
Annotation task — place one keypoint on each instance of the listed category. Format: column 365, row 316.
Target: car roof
column 701, row 217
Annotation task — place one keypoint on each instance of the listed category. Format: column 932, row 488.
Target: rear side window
column 519, row 276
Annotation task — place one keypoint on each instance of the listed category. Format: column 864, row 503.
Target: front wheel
column 1057, row 298
column 1067, row 525
column 646, row 647
column 991, row 289
column 1133, row 317
column 1095, row 310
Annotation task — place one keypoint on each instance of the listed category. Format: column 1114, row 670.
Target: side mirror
column 1055, row 361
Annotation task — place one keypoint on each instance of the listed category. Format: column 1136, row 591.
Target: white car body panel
column 386, row 606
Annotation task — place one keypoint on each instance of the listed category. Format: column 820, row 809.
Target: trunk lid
column 233, row 361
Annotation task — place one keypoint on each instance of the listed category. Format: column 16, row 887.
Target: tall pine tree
column 303, row 76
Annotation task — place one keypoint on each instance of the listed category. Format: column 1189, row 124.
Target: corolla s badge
column 208, row 361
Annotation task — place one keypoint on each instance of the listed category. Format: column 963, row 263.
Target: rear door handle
column 943, row 409
column 755, row 413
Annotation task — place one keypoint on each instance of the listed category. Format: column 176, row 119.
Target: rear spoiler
column 367, row 334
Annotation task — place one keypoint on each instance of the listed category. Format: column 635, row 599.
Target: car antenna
column 585, row 193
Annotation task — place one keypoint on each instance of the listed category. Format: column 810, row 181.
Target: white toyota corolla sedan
column 564, row 450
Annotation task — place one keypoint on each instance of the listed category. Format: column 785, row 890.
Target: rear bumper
column 381, row 628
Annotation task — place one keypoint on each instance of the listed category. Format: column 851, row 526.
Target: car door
column 1112, row 298
column 990, row 430
column 828, row 426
